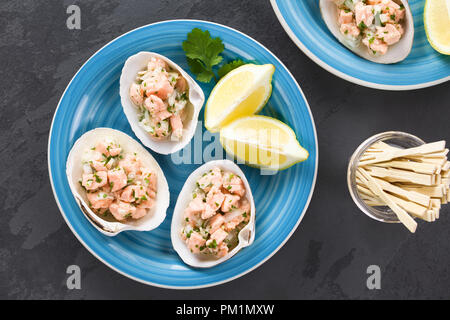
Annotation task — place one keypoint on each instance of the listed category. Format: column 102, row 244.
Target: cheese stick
column 410, row 195
column 402, row 215
column 410, row 207
column 436, row 192
column 402, row 175
column 419, row 167
column 437, row 161
column 398, row 153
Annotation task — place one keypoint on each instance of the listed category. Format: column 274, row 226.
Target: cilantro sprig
column 229, row 67
column 203, row 53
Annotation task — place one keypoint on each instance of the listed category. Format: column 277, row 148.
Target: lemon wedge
column 242, row 92
column 262, row 142
column 437, row 24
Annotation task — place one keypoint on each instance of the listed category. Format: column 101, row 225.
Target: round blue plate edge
column 316, row 151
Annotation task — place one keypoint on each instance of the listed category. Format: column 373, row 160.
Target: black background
column 327, row 256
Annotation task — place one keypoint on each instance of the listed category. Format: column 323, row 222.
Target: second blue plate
column 423, row 67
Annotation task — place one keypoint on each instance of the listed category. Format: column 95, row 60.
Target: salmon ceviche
column 160, row 94
column 216, row 214
column 116, row 182
column 376, row 23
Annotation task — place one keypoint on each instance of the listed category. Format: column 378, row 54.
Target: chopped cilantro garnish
column 362, row 26
column 97, row 178
column 213, row 244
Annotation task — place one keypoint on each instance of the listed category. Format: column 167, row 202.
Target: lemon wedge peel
column 291, row 151
column 431, row 9
column 257, row 86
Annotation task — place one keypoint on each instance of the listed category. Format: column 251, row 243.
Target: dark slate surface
column 326, row 257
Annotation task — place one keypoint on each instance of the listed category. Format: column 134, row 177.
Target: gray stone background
column 326, row 257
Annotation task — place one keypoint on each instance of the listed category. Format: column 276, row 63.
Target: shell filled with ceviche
column 161, row 101
column 379, row 30
column 116, row 182
column 214, row 216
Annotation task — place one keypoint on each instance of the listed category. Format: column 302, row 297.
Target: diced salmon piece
column 197, row 205
column 158, row 85
column 131, row 164
column 389, row 34
column 122, row 210
column 93, row 181
column 102, row 148
column 99, row 200
column 195, row 242
column 147, row 204
column 149, row 179
column 154, row 104
column 219, row 235
column 152, row 182
column 222, row 250
column 350, row 29
column 245, row 207
column 211, row 179
column 132, row 193
column 151, row 193
column 162, row 115
column 389, row 6
column 373, row 2
column 139, row 213
column 229, row 202
column 194, row 210
column 215, row 198
column 99, row 165
column 377, row 46
column 400, row 28
column 117, row 179
column 364, row 14
column 181, row 84
column 177, row 126
column 233, row 219
column 399, row 14
column 208, row 212
column 215, row 222
column 136, row 94
column 161, row 129
column 345, row 17
column 114, row 151
column 191, row 217
column 156, row 63
column 233, row 184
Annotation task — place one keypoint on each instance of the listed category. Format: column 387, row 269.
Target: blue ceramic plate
column 92, row 100
column 423, row 67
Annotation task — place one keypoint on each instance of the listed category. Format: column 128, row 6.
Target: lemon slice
column 262, row 142
column 242, row 92
column 437, row 24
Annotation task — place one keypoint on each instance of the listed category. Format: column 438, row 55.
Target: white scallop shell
column 133, row 65
column 246, row 235
column 74, row 171
column 395, row 53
